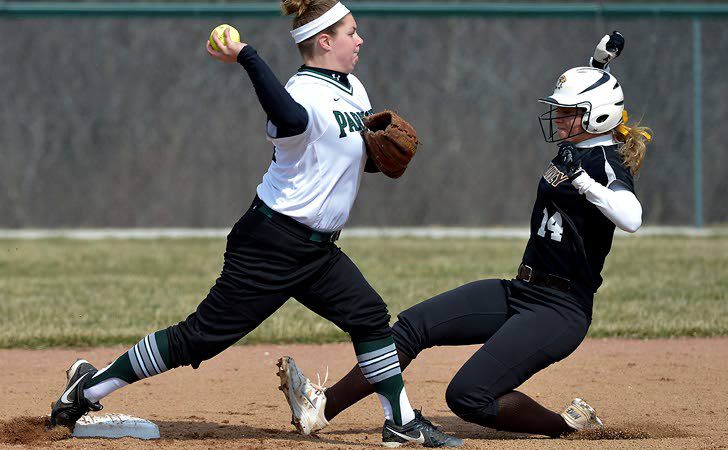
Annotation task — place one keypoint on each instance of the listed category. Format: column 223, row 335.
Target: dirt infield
column 651, row 394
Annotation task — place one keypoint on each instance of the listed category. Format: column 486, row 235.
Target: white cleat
column 306, row 399
column 580, row 416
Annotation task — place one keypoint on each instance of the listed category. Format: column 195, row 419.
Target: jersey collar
column 338, row 79
column 604, row 141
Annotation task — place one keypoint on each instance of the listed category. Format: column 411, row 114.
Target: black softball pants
column 265, row 264
column 524, row 329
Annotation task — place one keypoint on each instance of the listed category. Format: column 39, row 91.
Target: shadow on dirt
column 466, row 430
column 448, row 424
column 200, row 430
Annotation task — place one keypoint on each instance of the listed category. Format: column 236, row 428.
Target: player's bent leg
column 512, row 411
column 517, row 412
column 470, row 399
column 535, row 336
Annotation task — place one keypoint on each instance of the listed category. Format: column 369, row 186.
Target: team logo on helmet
column 561, row 81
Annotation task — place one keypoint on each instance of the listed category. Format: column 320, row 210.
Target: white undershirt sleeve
column 616, row 202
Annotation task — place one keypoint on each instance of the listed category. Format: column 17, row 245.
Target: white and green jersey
column 314, row 176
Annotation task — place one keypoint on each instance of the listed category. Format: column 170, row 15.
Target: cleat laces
column 318, row 388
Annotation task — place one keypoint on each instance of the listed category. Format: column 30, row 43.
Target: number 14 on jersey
column 553, row 224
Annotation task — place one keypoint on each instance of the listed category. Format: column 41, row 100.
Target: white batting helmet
column 595, row 91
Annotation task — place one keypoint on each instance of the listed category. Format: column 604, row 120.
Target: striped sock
column 148, row 357
column 379, row 363
column 151, row 355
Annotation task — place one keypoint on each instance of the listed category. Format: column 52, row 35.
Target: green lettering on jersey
column 357, row 119
column 352, row 120
column 352, row 123
column 341, row 120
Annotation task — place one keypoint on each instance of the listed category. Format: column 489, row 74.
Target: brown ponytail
column 634, row 141
column 306, row 11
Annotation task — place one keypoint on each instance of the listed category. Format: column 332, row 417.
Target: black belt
column 529, row 275
column 293, row 225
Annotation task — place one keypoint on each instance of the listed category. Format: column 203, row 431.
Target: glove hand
column 607, row 49
column 568, row 161
column 390, row 143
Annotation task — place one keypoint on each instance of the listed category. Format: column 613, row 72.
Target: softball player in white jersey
column 283, row 246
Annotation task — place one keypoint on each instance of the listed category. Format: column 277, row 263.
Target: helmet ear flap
column 605, row 118
column 585, row 119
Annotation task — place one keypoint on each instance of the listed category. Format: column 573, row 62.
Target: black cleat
column 72, row 404
column 418, row 431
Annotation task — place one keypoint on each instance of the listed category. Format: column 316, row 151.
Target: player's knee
column 456, row 397
column 408, row 336
column 372, row 327
column 468, row 405
column 191, row 342
column 405, row 340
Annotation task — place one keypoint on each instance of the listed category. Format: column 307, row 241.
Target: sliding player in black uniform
column 542, row 315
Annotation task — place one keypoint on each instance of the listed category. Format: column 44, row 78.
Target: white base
column 115, row 426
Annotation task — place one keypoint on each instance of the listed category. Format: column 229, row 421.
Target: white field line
column 354, row 232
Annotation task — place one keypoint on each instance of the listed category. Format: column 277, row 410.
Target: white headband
column 336, row 13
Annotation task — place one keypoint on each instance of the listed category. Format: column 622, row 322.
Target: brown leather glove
column 391, row 142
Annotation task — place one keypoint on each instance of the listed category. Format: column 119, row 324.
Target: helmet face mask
column 592, row 91
column 550, row 130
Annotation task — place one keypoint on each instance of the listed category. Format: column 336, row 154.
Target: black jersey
column 570, row 237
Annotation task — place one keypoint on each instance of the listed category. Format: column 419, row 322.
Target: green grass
column 61, row 292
